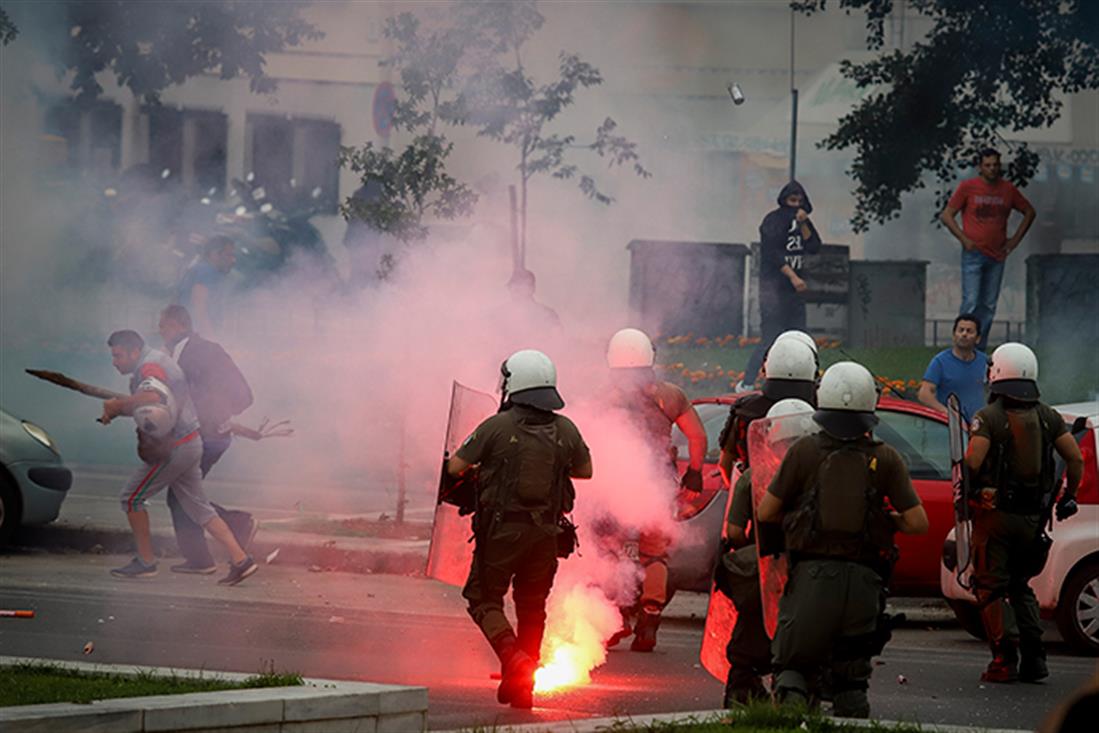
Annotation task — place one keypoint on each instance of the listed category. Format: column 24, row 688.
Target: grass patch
column 762, row 717
column 385, row 529
column 35, row 684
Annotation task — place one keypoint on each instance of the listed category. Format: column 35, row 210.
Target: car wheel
column 1078, row 610
column 10, row 509
column 969, row 618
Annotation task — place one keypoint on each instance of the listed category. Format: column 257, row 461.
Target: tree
column 8, row 29
column 983, row 68
column 404, row 188
column 507, row 105
column 149, row 46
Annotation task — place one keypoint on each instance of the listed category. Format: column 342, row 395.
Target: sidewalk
column 92, row 522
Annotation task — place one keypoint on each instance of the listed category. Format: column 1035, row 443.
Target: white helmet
column 156, row 419
column 790, row 358
column 528, row 377
column 790, row 419
column 846, row 398
column 799, row 336
column 1013, row 371
column 629, row 349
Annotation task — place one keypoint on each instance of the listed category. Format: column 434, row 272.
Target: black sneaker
column 135, row 569
column 238, row 573
column 191, row 568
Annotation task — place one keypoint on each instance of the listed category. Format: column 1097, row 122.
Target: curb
column 643, row 722
column 318, row 704
column 336, row 554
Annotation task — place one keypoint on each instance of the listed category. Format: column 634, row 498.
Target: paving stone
column 210, row 710
column 69, row 718
column 346, row 725
column 403, row 700
column 324, row 704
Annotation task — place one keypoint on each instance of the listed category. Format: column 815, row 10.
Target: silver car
column 33, row 479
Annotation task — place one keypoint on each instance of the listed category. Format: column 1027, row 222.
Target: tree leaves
column 984, row 68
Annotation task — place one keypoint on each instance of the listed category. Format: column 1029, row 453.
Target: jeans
column 191, row 536
column 778, row 311
column 981, row 278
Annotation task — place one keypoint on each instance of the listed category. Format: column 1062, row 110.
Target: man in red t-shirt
column 986, row 203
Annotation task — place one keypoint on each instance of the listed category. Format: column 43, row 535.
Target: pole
column 516, row 259
column 793, row 104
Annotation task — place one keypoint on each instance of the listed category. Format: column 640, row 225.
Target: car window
column 713, row 419
column 922, row 441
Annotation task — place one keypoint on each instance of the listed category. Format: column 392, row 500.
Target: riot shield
column 451, row 552
column 720, row 619
column 766, row 457
column 959, row 475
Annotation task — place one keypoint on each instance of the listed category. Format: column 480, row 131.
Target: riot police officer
column 1011, row 447
column 655, row 406
column 830, row 494
column 526, row 455
column 737, row 573
column 790, row 372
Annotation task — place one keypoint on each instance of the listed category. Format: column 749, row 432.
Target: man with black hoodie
column 785, row 236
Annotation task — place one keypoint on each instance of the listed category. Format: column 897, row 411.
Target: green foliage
column 985, row 67
column 33, row 684
column 150, row 46
column 410, row 185
column 8, row 29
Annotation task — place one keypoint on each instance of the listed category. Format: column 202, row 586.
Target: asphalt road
column 413, row 631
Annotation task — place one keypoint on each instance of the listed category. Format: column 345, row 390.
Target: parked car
column 33, row 479
column 917, row 432
column 1068, row 586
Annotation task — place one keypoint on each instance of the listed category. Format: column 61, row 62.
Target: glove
column 692, row 480
column 1066, row 508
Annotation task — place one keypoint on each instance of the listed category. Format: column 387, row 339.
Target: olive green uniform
column 1011, row 483
column 526, row 457
column 840, row 540
column 749, row 647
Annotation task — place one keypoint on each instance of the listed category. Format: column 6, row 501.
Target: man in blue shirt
column 202, row 287
column 961, row 369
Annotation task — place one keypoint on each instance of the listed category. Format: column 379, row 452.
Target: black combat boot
column 742, row 688
column 1032, row 665
column 623, row 633
column 1004, row 666
column 644, row 639
column 516, row 672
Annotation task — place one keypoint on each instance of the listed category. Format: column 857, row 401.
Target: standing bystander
column 985, row 202
column 959, row 370
column 785, row 236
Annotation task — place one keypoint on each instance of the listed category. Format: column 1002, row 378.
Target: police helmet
column 846, row 400
column 158, row 418
column 790, row 358
column 790, row 419
column 528, row 377
column 800, row 336
column 1013, row 372
column 630, row 349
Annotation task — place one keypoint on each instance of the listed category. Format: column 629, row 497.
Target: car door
column 922, row 442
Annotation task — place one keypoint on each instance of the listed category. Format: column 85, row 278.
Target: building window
column 189, row 144
column 295, row 160
column 92, row 135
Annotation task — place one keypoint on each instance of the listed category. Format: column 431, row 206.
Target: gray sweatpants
column 181, row 473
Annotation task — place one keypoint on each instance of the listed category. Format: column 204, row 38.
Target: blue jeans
column 981, row 278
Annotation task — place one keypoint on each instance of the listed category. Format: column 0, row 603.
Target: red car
column 917, row 432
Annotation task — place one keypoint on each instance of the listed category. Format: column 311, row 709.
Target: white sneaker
column 741, row 387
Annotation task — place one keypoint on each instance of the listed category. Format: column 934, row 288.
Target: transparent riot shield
column 963, row 526
column 720, row 619
column 767, row 453
column 451, row 552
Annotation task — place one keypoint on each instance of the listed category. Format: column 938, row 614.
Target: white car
column 1068, row 586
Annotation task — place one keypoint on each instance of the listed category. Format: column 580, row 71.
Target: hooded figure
column 786, row 235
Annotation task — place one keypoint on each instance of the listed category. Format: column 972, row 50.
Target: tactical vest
column 843, row 514
column 533, row 472
column 1020, row 463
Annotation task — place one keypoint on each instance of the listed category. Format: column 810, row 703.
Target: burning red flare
column 580, row 620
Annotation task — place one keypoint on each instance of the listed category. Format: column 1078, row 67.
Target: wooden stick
column 62, row 380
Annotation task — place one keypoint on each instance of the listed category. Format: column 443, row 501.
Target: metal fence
column 938, row 331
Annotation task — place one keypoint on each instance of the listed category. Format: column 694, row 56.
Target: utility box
column 1062, row 324
column 687, row 287
column 826, row 275
column 887, row 303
